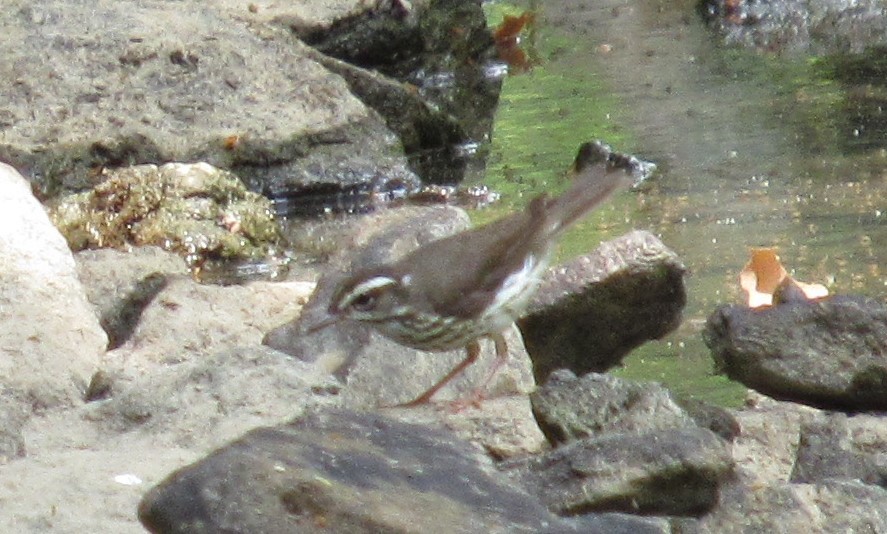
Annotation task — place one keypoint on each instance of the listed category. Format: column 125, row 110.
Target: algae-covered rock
column 196, row 210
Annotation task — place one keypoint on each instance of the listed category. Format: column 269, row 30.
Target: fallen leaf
column 506, row 37
column 766, row 282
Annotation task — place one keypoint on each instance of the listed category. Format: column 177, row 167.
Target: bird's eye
column 364, row 302
column 364, row 296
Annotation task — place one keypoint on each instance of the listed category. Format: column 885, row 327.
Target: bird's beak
column 316, row 327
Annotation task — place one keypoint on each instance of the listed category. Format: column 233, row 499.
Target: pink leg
column 501, row 358
column 473, row 350
column 479, row 393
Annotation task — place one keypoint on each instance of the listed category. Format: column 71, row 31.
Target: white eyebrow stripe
column 369, row 285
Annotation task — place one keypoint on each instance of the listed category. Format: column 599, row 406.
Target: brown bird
column 451, row 292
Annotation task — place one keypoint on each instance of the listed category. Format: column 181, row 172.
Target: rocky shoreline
column 134, row 397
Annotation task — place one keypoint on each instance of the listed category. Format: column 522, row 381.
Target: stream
column 753, row 150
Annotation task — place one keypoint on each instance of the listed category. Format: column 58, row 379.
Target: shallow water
column 754, row 150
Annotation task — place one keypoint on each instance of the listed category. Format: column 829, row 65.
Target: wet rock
column 814, row 26
column 356, row 472
column 424, row 67
column 836, row 446
column 590, row 312
column 570, row 408
column 826, row 353
column 50, row 337
column 669, row 472
column 833, row 506
column 591, row 152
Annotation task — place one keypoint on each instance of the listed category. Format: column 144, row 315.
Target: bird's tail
column 596, row 177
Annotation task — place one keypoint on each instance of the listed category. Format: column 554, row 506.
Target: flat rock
column 186, row 319
column 50, row 336
column 341, row 471
column 122, row 284
column 828, row 353
column 86, row 468
column 590, row 312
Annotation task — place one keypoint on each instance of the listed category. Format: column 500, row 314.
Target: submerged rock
column 815, row 26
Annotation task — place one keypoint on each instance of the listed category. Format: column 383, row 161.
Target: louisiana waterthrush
column 451, row 292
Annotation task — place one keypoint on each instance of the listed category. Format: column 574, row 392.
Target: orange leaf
column 764, row 276
column 511, row 27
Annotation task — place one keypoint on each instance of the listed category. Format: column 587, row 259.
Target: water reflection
column 754, row 150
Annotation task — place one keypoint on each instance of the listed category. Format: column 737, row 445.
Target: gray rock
column 339, row 471
column 125, row 83
column 715, row 418
column 831, row 507
column 836, row 446
column 570, row 408
column 669, row 472
column 827, row 353
column 226, row 394
column 50, row 336
column 766, row 448
column 13, row 415
column 87, row 467
column 590, row 312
